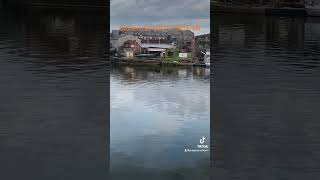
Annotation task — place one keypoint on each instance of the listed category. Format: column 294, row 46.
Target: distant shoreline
column 258, row 10
column 67, row 6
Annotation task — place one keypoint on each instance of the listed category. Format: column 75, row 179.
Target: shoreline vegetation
column 175, row 60
column 263, row 3
column 55, row 4
column 168, row 61
column 272, row 7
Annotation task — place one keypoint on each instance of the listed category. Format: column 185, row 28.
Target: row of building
column 136, row 42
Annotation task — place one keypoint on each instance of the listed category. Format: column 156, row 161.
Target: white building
column 155, row 48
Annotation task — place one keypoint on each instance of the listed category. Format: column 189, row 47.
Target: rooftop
column 148, row 45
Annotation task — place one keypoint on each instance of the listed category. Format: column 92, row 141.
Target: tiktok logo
column 202, row 140
column 201, row 147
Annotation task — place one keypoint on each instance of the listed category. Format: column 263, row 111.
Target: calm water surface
column 53, row 92
column 266, row 98
column 155, row 114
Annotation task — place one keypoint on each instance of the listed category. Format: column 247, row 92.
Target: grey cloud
column 141, row 12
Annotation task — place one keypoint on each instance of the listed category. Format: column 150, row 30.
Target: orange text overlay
column 160, row 28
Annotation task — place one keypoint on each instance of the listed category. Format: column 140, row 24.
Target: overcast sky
column 161, row 12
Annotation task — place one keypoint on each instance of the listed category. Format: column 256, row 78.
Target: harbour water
column 266, row 97
column 54, row 95
column 156, row 113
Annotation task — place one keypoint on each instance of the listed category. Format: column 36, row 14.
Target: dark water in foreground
column 266, row 107
column 53, row 93
column 156, row 113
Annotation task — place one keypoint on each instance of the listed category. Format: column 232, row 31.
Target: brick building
column 133, row 45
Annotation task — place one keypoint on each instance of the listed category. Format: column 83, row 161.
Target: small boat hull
column 207, row 59
column 313, row 12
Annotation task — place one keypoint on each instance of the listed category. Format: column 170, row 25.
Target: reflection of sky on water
column 155, row 115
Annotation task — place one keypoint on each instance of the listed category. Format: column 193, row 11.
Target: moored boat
column 313, row 11
column 207, row 59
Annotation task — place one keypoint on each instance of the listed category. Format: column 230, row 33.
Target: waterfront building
column 152, row 41
column 118, row 41
column 133, row 45
column 202, row 42
column 115, row 33
column 159, row 49
column 182, row 39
